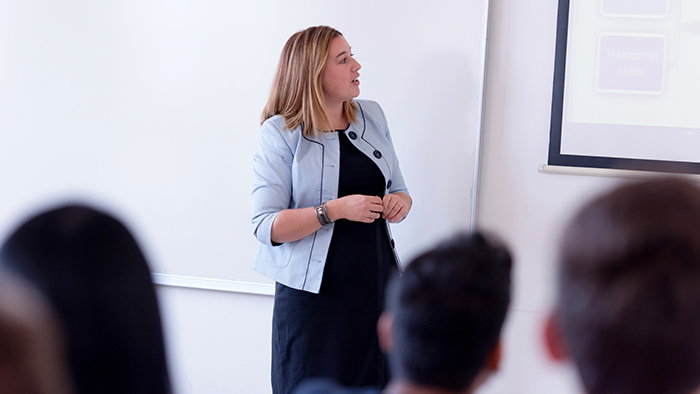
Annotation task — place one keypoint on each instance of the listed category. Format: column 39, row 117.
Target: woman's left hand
column 396, row 206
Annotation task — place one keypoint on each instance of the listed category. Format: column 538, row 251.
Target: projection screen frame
column 556, row 158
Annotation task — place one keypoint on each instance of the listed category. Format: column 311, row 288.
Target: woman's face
column 339, row 80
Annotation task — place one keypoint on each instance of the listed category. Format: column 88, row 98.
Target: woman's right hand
column 356, row 207
column 294, row 224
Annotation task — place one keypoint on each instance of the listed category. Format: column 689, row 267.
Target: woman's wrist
column 333, row 210
column 322, row 214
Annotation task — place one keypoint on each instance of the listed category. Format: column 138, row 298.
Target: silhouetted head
column 95, row 277
column 448, row 308
column 628, row 307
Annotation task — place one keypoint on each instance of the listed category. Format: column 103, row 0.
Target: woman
column 327, row 181
column 92, row 272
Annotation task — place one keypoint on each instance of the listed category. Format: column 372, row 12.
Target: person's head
column 445, row 313
column 92, row 272
column 628, row 294
column 315, row 71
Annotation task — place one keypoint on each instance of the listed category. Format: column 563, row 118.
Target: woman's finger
column 395, row 207
column 398, row 212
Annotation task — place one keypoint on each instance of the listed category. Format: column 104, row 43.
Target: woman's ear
column 494, row 359
column 553, row 340
column 384, row 327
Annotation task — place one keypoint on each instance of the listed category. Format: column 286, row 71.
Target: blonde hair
column 297, row 91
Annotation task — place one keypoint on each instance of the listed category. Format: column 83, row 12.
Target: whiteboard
column 151, row 110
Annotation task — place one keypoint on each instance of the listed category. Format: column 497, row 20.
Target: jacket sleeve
column 272, row 181
column 398, row 185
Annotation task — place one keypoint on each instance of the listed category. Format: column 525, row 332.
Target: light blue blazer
column 296, row 171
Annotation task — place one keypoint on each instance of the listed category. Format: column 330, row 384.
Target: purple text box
column 657, row 8
column 631, row 63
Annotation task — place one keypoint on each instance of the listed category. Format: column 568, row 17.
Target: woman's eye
column 344, row 60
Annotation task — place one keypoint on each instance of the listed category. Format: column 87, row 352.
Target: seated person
column 94, row 276
column 443, row 320
column 628, row 304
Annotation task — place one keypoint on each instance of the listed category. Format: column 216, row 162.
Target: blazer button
column 393, row 244
column 352, row 135
column 388, row 184
column 377, row 154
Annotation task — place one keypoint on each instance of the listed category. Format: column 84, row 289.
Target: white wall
column 219, row 342
column 526, row 207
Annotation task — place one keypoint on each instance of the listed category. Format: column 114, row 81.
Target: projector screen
column 627, row 85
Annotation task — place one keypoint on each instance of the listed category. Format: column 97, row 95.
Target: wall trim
column 233, row 286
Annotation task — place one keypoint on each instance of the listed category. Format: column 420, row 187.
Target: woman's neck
column 335, row 115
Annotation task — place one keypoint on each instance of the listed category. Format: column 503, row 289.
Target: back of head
column 629, row 290
column 93, row 273
column 448, row 309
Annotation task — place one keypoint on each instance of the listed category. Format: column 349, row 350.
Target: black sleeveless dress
column 333, row 333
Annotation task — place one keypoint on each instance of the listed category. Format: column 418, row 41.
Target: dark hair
column 449, row 306
column 629, row 289
column 91, row 270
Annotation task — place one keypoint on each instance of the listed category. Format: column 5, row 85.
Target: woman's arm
column 294, row 224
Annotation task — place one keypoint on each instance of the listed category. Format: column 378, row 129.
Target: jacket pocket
column 278, row 256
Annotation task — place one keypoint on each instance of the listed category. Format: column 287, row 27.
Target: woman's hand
column 356, row 207
column 396, row 206
column 294, row 224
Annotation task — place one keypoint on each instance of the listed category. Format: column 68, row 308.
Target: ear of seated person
column 32, row 354
column 443, row 320
column 92, row 273
column 627, row 310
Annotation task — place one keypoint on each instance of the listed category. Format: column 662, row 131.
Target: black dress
column 333, row 333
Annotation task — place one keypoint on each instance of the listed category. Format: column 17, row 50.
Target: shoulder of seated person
column 330, row 386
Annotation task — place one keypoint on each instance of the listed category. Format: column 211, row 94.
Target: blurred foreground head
column 95, row 277
column 628, row 307
column 445, row 313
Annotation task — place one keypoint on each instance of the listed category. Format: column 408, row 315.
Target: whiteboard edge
column 473, row 219
column 233, row 286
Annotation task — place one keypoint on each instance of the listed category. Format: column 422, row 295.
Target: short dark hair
column 92, row 272
column 629, row 289
column 449, row 306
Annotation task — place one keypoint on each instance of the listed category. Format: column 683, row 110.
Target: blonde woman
column 327, row 185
